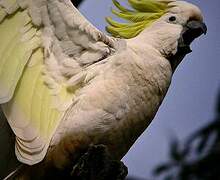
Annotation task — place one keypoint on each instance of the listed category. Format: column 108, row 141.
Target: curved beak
column 192, row 30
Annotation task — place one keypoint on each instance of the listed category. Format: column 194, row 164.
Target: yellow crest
column 140, row 16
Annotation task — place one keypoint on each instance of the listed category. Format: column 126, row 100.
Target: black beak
column 191, row 31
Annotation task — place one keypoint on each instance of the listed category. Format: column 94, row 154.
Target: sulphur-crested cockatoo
column 64, row 85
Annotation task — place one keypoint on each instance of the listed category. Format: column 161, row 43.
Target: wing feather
column 15, row 50
column 46, row 50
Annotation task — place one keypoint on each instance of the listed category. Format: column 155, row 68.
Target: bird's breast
column 116, row 106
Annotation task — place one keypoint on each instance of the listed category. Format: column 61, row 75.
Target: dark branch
column 95, row 164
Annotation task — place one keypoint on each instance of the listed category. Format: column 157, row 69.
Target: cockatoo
column 65, row 85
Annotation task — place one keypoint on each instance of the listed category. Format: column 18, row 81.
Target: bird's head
column 168, row 25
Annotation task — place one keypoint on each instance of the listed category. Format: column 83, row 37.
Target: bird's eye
column 172, row 19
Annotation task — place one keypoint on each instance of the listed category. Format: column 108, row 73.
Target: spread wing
column 46, row 46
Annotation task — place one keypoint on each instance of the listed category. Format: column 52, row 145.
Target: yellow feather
column 140, row 16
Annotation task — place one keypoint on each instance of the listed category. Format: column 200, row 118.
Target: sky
column 190, row 102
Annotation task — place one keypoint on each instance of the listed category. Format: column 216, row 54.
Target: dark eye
column 172, row 19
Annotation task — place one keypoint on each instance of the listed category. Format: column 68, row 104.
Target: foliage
column 198, row 157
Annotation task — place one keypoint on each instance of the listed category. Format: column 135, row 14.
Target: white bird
column 64, row 85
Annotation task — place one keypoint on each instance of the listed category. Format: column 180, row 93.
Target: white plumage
column 75, row 86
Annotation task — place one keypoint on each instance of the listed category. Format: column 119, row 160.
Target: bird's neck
column 156, row 69
column 161, row 39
